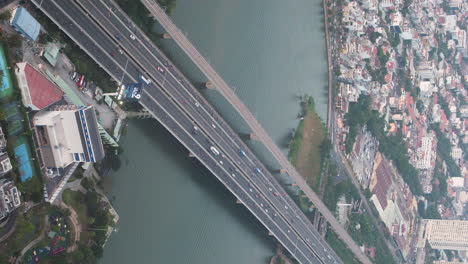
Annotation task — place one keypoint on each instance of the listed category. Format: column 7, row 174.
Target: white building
column 9, row 198
column 68, row 134
column 447, row 234
column 425, row 154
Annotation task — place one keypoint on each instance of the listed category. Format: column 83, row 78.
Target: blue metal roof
column 26, row 24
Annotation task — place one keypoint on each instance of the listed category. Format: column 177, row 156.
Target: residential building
column 9, row 198
column 447, row 234
column 25, row 24
column 5, row 164
column 425, row 154
column 68, row 134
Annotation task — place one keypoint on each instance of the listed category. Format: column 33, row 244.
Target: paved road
column 257, row 129
column 180, row 112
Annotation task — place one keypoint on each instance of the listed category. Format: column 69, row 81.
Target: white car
column 132, row 37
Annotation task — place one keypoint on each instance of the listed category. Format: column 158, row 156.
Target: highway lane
column 239, row 191
column 88, row 44
column 260, row 133
column 102, row 14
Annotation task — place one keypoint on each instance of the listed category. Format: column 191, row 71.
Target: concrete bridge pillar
column 282, row 171
column 166, row 36
column 249, row 136
column 209, row 85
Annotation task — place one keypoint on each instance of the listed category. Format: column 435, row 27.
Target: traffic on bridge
column 110, row 38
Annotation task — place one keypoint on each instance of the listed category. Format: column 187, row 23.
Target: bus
column 214, row 150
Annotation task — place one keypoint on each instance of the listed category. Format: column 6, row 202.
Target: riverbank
column 305, row 147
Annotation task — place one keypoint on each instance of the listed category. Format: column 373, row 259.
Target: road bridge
column 100, row 29
column 220, row 85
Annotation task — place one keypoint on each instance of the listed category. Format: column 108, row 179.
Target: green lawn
column 77, row 201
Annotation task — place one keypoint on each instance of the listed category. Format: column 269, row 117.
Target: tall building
column 68, row 134
column 447, row 234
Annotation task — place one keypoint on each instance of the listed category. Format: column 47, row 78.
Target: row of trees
column 444, row 149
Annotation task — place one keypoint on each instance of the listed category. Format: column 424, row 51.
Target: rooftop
column 25, row 23
column 38, row 91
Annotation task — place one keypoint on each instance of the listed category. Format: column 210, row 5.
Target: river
column 171, row 209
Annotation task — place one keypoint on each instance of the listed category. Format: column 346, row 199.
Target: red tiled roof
column 42, row 91
column 388, row 77
column 384, row 181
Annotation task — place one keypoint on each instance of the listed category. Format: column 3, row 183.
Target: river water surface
column 171, row 209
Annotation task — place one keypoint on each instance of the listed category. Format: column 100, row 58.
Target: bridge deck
column 254, row 125
column 175, row 106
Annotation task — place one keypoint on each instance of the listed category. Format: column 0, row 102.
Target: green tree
column 5, row 16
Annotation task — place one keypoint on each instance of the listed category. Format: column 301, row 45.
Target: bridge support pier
column 250, row 136
column 282, row 171
column 166, row 36
column 209, row 85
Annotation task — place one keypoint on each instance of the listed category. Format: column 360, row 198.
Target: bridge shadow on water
column 202, row 178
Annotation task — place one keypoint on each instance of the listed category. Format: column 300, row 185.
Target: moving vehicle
column 161, row 70
column 242, row 153
column 257, row 170
column 132, row 37
column 121, row 51
column 214, row 150
column 117, row 36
